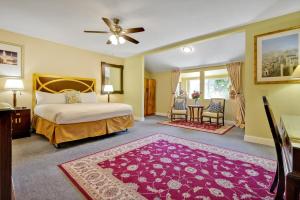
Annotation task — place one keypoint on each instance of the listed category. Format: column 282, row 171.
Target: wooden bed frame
column 60, row 133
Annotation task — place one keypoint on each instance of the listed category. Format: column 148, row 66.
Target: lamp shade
column 14, row 84
column 108, row 88
column 296, row 73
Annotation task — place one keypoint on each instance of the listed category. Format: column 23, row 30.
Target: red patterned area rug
column 204, row 127
column 166, row 167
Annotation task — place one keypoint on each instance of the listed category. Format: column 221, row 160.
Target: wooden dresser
column 290, row 135
column 5, row 154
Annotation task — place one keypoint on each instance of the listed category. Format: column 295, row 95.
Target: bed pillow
column 89, row 97
column 73, row 97
column 49, row 98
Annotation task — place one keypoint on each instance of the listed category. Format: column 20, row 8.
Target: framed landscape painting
column 277, row 56
column 11, row 63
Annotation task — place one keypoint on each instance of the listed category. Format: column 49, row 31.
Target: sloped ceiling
column 211, row 52
column 166, row 22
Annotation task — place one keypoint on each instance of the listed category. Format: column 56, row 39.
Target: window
column 193, row 85
column 217, row 84
column 190, row 82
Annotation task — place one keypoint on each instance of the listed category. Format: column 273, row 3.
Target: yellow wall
column 163, row 92
column 147, row 75
column 41, row 56
column 284, row 98
column 134, row 84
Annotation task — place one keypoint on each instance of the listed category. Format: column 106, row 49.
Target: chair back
column 277, row 141
column 183, row 97
column 218, row 100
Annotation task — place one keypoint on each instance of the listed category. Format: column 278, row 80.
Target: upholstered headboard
column 59, row 84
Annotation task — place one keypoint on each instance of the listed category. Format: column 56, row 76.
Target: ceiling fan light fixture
column 121, row 40
column 187, row 49
column 113, row 39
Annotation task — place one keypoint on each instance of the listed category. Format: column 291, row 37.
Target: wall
column 284, row 98
column 41, row 56
column 163, row 92
column 134, row 85
column 147, row 75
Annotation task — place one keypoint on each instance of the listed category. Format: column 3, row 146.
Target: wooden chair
column 214, row 115
column 279, row 179
column 176, row 112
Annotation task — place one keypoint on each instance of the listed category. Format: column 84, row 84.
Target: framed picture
column 11, row 63
column 277, row 56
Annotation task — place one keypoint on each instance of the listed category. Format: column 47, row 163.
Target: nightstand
column 21, row 123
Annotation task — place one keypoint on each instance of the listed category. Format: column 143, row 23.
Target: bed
column 60, row 122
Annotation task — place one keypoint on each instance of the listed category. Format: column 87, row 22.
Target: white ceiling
column 210, row 52
column 166, row 21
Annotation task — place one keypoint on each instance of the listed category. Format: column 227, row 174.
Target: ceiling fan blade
column 107, row 22
column 130, row 39
column 108, row 42
column 95, row 31
column 134, row 30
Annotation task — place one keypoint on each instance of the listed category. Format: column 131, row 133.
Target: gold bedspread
column 59, row 133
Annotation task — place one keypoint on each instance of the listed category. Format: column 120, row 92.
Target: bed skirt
column 59, row 133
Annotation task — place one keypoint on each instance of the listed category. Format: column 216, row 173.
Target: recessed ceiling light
column 187, row 49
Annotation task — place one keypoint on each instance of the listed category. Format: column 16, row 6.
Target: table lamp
column 108, row 89
column 14, row 85
column 296, row 73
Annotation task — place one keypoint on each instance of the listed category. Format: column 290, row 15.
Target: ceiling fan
column 118, row 34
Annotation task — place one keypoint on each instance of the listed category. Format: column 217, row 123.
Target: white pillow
column 89, row 97
column 49, row 98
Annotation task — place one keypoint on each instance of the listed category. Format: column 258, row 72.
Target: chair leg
column 223, row 121
column 217, row 122
column 275, row 181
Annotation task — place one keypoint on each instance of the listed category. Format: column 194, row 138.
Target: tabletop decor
column 196, row 96
column 276, row 56
column 11, row 64
column 166, row 167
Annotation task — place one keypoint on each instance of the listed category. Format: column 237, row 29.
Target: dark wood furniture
column 192, row 109
column 290, row 135
column 149, row 97
column 214, row 115
column 21, row 123
column 287, row 144
column 279, row 179
column 5, row 155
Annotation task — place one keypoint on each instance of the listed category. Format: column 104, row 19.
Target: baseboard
column 161, row 114
column 229, row 122
column 259, row 140
column 139, row 118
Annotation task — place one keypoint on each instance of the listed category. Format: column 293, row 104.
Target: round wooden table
column 192, row 109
